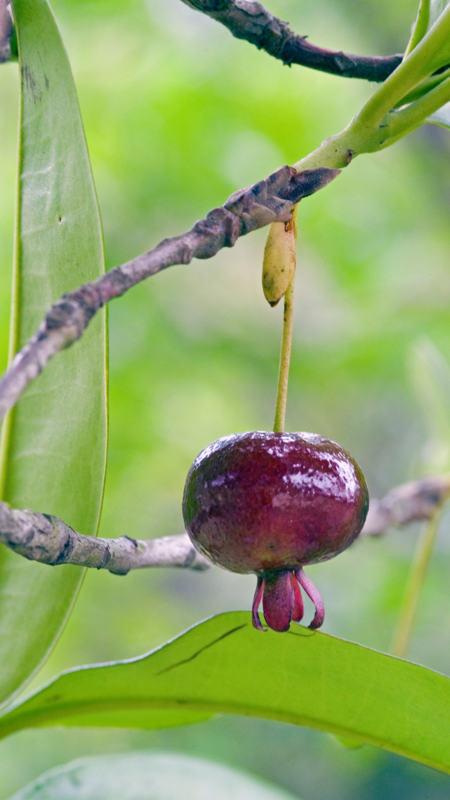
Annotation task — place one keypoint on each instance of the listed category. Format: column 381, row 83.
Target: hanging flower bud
column 279, row 259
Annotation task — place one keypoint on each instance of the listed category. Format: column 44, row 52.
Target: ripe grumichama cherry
column 270, row 503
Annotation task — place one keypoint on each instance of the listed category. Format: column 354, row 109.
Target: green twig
column 416, row 579
column 358, row 138
column 413, row 115
column 285, row 358
column 429, row 55
column 424, row 88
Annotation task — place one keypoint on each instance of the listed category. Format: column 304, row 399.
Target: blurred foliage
column 145, row 776
column 178, row 115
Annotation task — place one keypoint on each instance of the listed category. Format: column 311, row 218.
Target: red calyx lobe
column 278, row 599
column 270, row 503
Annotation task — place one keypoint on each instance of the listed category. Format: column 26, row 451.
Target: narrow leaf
column 437, row 17
column 427, row 15
column 148, row 776
column 420, row 26
column 225, row 665
column 431, row 44
column 54, row 442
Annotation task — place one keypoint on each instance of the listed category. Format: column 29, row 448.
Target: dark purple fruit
column 270, row 503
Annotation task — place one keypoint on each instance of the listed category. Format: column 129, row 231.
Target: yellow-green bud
column 279, row 259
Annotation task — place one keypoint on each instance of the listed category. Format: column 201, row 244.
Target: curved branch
column 268, row 201
column 47, row 539
column 251, row 21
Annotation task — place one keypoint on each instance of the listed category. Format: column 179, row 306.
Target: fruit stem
column 285, row 354
column 422, row 556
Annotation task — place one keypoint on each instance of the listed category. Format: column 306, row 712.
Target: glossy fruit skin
column 267, row 502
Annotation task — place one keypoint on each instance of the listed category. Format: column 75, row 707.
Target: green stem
column 416, row 579
column 414, row 115
column 285, row 358
column 430, row 54
column 376, row 126
column 338, row 151
column 424, row 88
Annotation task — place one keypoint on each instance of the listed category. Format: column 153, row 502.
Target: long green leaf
column 148, row 776
column 224, row 665
column 427, row 15
column 54, row 442
column 421, row 25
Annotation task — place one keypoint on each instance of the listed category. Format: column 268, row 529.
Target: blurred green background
column 178, row 115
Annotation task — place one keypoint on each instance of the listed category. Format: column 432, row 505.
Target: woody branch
column 49, row 540
column 268, row 201
column 249, row 20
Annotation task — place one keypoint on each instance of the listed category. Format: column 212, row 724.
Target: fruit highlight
column 270, row 503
